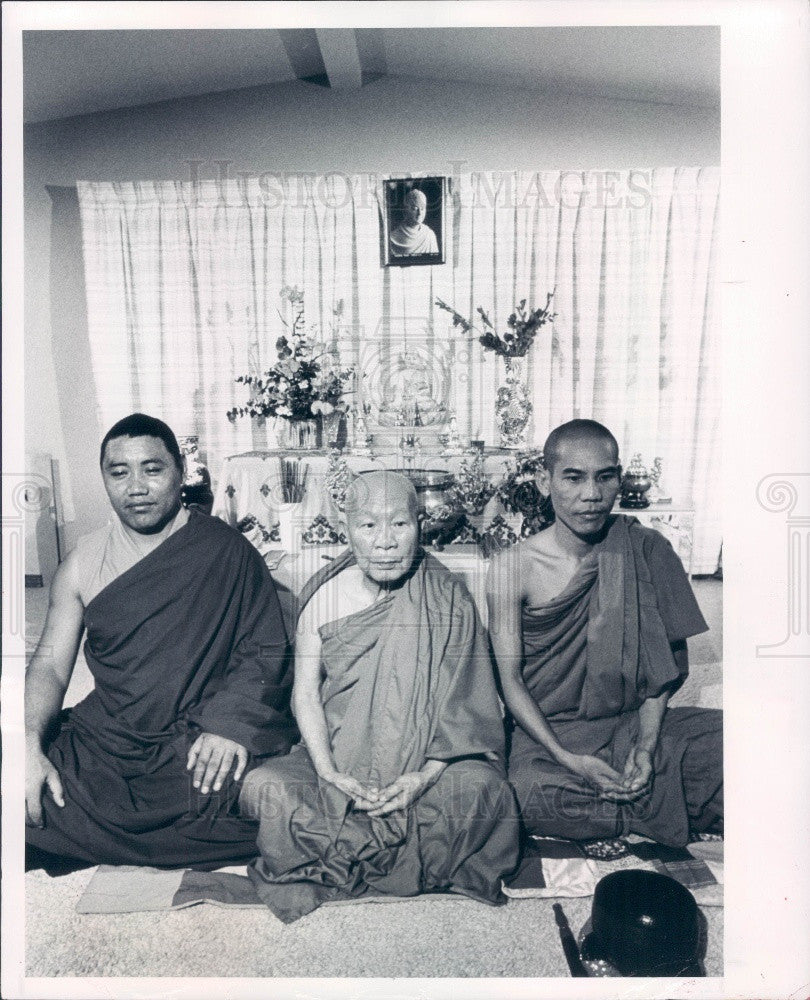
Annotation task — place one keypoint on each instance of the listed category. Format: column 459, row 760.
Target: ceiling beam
column 340, row 57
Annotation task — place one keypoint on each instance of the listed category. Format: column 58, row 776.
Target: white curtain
column 183, row 285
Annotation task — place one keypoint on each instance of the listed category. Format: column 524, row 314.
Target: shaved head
column 576, row 432
column 373, row 489
column 382, row 525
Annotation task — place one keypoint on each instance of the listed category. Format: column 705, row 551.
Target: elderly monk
column 188, row 652
column 412, row 237
column 589, row 620
column 397, row 787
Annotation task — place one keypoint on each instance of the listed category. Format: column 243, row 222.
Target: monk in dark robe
column 589, row 620
column 189, row 656
column 398, row 787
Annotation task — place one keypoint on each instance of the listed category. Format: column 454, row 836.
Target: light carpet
column 415, row 938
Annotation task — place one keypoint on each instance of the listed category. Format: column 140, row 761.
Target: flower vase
column 196, row 488
column 334, row 430
column 513, row 406
column 290, row 526
column 299, row 435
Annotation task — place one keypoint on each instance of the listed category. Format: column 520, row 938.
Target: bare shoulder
column 337, row 598
column 510, row 568
column 541, row 543
column 65, row 583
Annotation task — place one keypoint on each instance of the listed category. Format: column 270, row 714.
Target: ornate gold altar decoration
column 406, row 389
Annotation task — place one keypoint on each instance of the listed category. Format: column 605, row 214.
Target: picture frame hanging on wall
column 413, row 221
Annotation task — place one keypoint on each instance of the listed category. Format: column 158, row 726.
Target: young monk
column 589, row 620
column 188, row 651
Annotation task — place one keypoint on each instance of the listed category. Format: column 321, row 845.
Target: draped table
column 290, row 571
column 249, row 487
column 249, row 496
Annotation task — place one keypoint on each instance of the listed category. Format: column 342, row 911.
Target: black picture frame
column 396, row 192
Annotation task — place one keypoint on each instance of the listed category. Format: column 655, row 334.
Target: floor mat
column 559, row 868
column 133, row 889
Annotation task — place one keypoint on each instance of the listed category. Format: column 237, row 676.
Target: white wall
column 390, row 126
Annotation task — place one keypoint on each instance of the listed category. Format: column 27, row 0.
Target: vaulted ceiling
column 70, row 73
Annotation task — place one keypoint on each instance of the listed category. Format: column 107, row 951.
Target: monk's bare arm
column 51, row 666
column 638, row 770
column 46, row 681
column 306, row 695
column 505, row 597
column 309, row 713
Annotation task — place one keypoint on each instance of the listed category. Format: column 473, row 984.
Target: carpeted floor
column 412, row 938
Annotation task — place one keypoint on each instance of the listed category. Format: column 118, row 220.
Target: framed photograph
column 413, row 221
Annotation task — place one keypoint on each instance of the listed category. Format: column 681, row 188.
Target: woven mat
column 550, row 868
column 559, row 869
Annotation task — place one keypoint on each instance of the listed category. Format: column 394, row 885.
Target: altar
column 290, row 571
column 250, row 496
column 250, row 493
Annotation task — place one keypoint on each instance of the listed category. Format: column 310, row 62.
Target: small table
column 675, row 521
column 292, row 570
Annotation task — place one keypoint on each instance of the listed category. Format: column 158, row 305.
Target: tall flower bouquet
column 512, row 404
column 522, row 324
column 302, row 384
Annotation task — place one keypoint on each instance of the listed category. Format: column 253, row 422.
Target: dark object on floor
column 569, row 945
column 605, row 850
column 642, row 924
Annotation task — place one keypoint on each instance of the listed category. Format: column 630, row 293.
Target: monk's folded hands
column 363, row 798
column 600, row 775
column 403, row 792
column 212, row 757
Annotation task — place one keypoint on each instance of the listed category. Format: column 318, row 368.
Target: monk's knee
column 550, row 805
column 273, row 789
column 477, row 789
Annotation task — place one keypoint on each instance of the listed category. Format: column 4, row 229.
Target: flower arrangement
column 472, row 490
column 301, row 385
column 518, row 490
column 523, row 326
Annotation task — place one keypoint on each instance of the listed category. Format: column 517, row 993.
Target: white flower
column 283, row 411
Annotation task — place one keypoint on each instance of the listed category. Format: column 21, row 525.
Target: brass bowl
column 439, row 516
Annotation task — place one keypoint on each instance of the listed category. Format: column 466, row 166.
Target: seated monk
column 397, row 787
column 412, row 237
column 589, row 620
column 190, row 660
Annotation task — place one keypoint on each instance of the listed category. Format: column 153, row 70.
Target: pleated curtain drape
column 183, row 283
